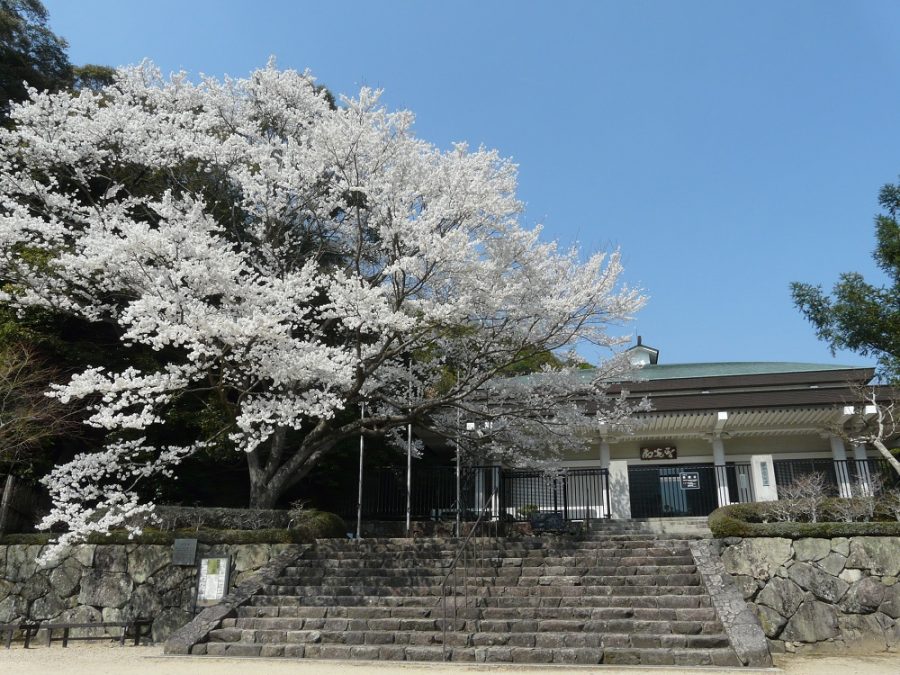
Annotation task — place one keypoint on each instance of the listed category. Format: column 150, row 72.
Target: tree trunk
column 887, row 454
column 5, row 503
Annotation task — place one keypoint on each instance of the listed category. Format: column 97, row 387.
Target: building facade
column 722, row 433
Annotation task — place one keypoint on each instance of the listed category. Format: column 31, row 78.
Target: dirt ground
column 99, row 659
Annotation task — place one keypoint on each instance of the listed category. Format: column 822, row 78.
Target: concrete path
column 99, row 659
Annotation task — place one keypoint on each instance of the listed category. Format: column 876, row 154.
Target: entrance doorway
column 672, row 491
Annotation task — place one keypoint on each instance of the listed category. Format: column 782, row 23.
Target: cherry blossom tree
column 292, row 262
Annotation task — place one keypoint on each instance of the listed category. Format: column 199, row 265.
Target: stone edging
column 741, row 625
column 197, row 630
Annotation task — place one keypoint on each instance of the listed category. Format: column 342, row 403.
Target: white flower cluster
column 294, row 258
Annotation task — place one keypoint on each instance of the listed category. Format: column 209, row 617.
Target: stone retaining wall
column 95, row 583
column 820, row 595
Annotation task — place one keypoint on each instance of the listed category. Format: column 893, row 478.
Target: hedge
column 745, row 520
column 313, row 525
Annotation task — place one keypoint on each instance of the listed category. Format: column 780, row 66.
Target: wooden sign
column 660, row 452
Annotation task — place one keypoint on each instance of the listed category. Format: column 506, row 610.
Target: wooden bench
column 139, row 628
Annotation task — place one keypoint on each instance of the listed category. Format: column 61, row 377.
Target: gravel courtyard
column 110, row 660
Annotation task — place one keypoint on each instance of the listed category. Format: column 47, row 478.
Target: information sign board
column 690, row 480
column 212, row 582
column 184, row 552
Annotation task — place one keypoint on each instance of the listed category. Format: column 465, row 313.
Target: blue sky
column 727, row 148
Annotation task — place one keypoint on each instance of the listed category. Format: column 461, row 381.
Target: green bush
column 305, row 529
column 746, row 520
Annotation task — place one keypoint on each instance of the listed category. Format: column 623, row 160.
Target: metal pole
column 409, row 453
column 362, row 448
column 458, row 495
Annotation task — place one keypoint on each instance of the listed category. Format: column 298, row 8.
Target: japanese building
column 721, row 433
column 717, row 434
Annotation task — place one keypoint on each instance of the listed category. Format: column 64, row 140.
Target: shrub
column 311, row 525
column 750, row 520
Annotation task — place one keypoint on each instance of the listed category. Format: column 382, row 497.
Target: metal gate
column 686, row 489
column 575, row 494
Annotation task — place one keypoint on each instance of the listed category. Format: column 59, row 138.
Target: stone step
column 629, row 626
column 582, row 547
column 491, row 613
column 638, row 557
column 585, row 655
column 677, row 601
column 556, row 590
column 542, row 639
column 415, row 567
column 557, row 541
column 482, row 580
column 450, row 551
column 618, row 598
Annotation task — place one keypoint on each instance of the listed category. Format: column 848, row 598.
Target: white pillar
column 863, row 477
column 721, row 475
column 765, row 488
column 619, row 494
column 604, row 492
column 841, row 468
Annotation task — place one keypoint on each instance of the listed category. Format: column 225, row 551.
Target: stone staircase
column 612, row 598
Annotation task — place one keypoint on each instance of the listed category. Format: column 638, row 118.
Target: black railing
column 576, row 494
column 686, row 489
column 845, row 478
column 470, row 554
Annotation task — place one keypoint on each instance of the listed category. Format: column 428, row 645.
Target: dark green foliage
column 746, row 520
column 91, row 76
column 29, row 52
column 313, row 525
column 858, row 315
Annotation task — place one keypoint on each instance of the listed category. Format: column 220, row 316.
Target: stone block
column 145, row 561
column 814, row 621
column 811, row 549
column 864, row 596
column 66, row 578
column 110, row 558
column 105, row 589
column 251, row 557
column 890, row 603
column 879, row 555
column 782, row 595
column 833, row 563
column 818, row 581
column 850, row 575
column 757, row 557
column 771, row 621
column 841, row 545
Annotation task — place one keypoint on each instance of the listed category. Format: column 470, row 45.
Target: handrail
column 461, row 553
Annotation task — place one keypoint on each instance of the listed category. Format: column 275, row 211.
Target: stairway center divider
column 462, row 554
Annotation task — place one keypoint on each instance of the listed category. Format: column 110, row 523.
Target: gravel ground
column 99, row 659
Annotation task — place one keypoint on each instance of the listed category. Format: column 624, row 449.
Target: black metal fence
column 576, row 494
column 686, row 489
column 843, row 478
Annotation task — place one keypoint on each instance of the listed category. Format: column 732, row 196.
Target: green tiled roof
column 684, row 370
